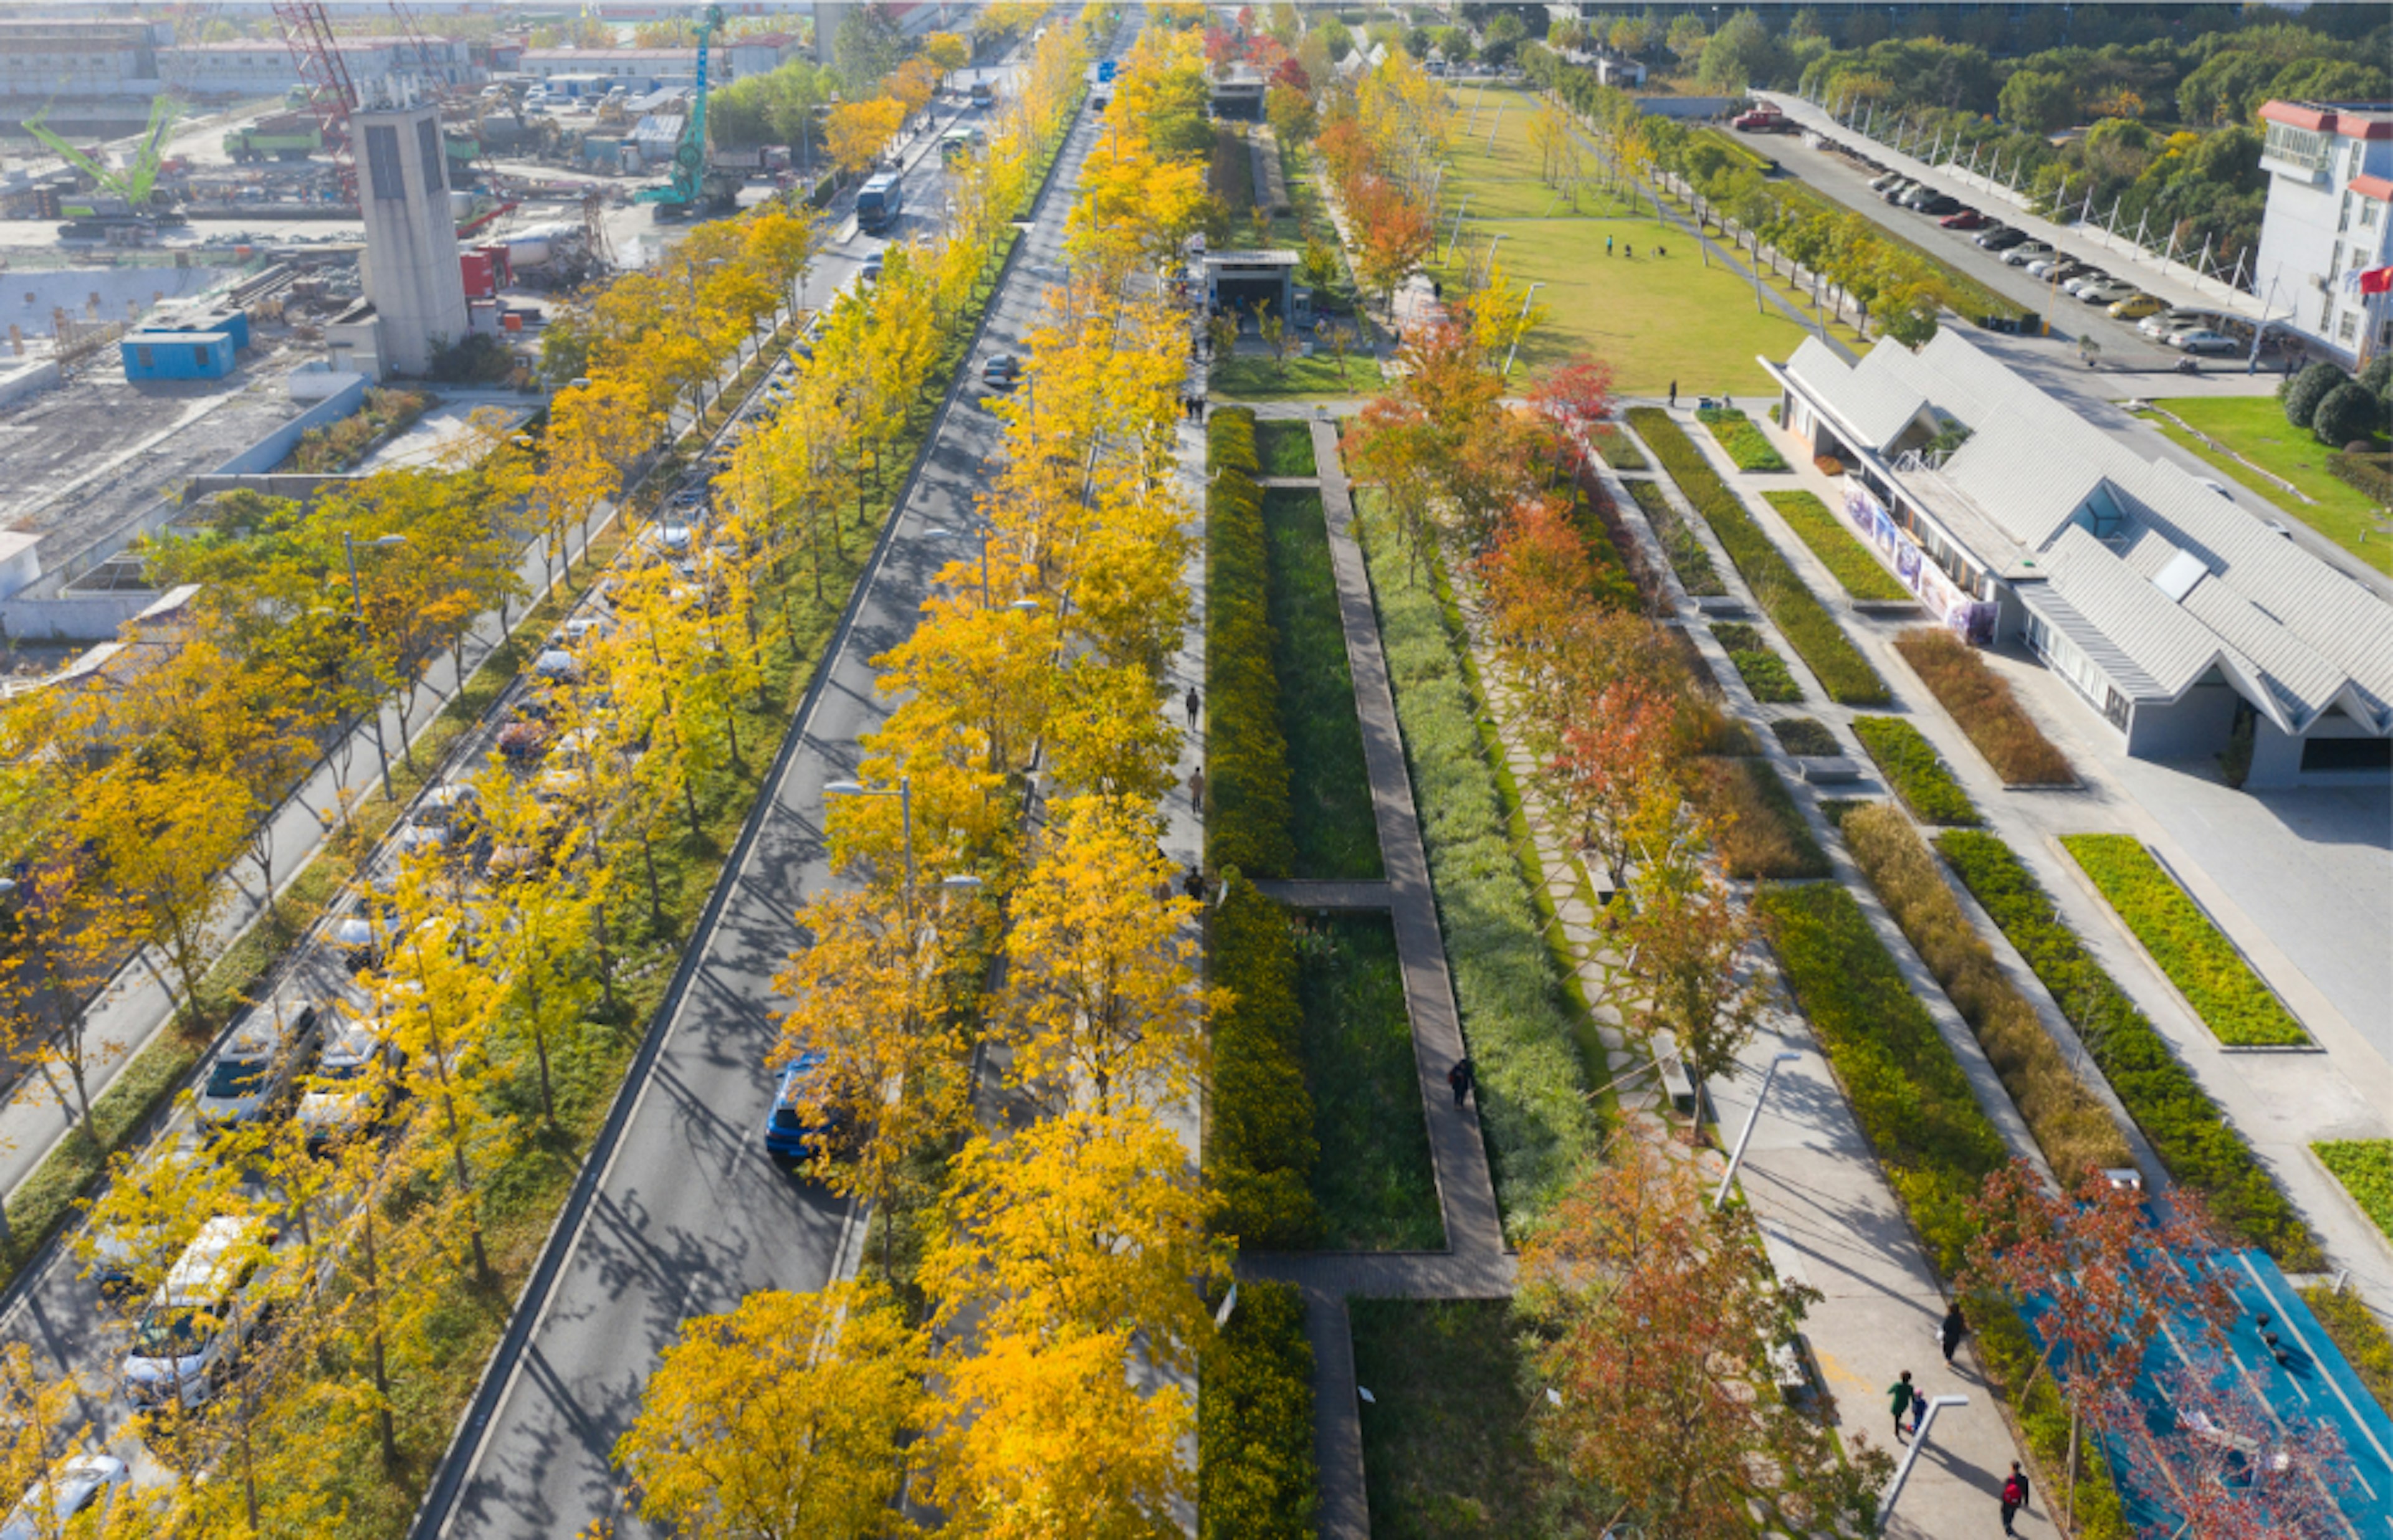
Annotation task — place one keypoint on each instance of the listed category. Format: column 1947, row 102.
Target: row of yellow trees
column 494, row 984
column 1005, row 1009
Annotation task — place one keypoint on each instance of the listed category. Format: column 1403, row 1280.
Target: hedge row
column 2365, row 1169
column 2193, row 1138
column 1246, row 777
column 1907, row 1090
column 2074, row 1129
column 1745, row 444
column 1808, row 627
column 1805, row 738
column 1846, row 559
column 1759, row 831
column 1261, row 1145
column 1982, row 703
column 1255, row 1473
column 1532, row 1097
column 2195, row 954
column 1912, row 767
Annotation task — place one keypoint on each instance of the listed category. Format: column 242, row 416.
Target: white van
column 192, row 1333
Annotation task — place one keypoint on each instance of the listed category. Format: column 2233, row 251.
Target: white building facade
column 266, row 68
column 2329, row 218
column 2181, row 620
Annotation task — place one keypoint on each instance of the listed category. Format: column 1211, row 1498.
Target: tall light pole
column 1457, row 234
column 903, row 792
column 1520, row 325
column 1918, row 1441
column 358, row 606
column 1736, row 1158
column 979, row 535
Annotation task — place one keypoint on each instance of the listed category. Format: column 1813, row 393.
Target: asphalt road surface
column 690, row 1214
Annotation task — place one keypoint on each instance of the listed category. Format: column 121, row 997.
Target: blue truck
column 879, row 203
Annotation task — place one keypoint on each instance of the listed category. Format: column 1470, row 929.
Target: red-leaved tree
column 2223, row 1466
column 1572, row 400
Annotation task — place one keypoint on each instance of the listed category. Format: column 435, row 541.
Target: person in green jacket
column 1901, row 1395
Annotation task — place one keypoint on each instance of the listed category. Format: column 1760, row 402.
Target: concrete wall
column 17, row 384
column 411, row 272
column 2277, row 759
column 276, row 447
column 2193, row 726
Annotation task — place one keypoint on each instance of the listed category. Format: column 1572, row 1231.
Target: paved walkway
column 1475, row 1264
column 1303, row 893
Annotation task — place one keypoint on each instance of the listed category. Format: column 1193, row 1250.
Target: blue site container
column 177, row 355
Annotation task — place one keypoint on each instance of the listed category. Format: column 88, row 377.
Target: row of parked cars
column 2188, row 331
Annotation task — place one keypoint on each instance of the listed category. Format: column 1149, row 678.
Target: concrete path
column 1301, row 894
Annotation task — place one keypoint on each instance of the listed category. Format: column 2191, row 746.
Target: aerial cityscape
column 1011, row 768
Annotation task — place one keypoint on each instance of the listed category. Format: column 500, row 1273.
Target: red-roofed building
column 2329, row 219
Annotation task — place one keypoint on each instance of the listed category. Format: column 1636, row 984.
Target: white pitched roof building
column 2183, row 618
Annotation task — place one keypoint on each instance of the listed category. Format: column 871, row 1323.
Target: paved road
column 690, row 1214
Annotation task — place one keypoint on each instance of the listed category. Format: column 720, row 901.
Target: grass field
column 1286, row 449
column 1655, row 319
column 1446, row 1441
column 1259, row 377
column 1372, row 1186
column 2255, row 426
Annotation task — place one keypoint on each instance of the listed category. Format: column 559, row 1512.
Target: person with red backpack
column 2014, row 1497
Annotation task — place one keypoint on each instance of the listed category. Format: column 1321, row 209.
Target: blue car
column 786, row 1131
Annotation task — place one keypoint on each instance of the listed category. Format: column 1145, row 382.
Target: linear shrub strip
column 2072, row 1127
column 1246, row 825
column 2195, row 954
column 1846, row 559
column 1688, row 558
column 1332, row 827
column 1761, row 833
column 1256, row 1478
column 1805, row 738
column 2365, row 1169
column 2357, row 1335
column 1981, row 702
column 1532, row 1097
column 1261, row 1145
column 1808, row 627
column 2193, row 1138
column 1912, row 767
column 1373, row 1187
column 1934, row 1141
column 1745, row 444
column 1765, row 674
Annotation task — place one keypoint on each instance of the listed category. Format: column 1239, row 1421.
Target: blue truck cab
column 878, row 201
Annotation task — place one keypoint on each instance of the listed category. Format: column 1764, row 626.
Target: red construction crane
column 307, row 33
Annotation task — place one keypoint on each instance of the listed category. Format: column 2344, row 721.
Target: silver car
column 351, row 1086
column 2026, row 252
column 190, row 1335
column 72, row 1499
column 444, row 820
column 253, row 1074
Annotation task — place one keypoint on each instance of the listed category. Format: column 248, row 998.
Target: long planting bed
column 2201, row 1148
column 1805, row 621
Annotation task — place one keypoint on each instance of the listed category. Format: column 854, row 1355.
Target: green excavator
column 694, row 189
column 137, row 183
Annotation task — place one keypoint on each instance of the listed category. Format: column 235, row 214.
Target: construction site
column 187, row 305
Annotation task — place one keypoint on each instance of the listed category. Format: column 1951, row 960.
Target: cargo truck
column 282, row 137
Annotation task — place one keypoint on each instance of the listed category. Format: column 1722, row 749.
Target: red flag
column 2377, row 280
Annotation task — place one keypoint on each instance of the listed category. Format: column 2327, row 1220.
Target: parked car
column 2203, row 340
column 1898, row 191
column 351, row 1088
column 2025, row 252
column 447, row 817
column 1920, row 195
column 2108, row 291
column 559, row 666
column 2077, row 283
column 2001, row 238
column 73, row 1498
column 787, row 1131
column 2053, row 265
column 2166, row 324
column 1964, row 219
column 362, row 927
column 1002, row 373
column 524, row 741
column 1940, row 205
column 256, row 1073
column 193, row 1327
column 1880, row 184
column 2137, row 305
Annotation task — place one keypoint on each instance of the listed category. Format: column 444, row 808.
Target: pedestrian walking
column 1674, row 393
column 1607, row 246
column 1901, row 1395
column 1196, row 800
column 2015, row 1493
column 1660, row 250
column 1628, row 251
column 1194, row 886
column 1459, row 1078
column 1955, row 1328
column 1195, row 704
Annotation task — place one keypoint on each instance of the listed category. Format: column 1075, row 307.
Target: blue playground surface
column 2305, row 1380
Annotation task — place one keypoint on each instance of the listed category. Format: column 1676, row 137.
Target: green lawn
column 1330, row 818
column 1259, row 377
column 1372, row 1185
column 1286, row 449
column 2365, row 1166
column 1655, row 320
column 2255, row 426
column 1445, row 1440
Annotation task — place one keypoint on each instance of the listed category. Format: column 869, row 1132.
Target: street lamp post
column 980, row 536
column 903, row 792
column 1457, row 234
column 1918, row 1441
column 1520, row 326
column 1737, row 1157
column 358, row 606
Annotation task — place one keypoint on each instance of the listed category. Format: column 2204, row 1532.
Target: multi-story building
column 2329, row 166
column 43, row 59
column 264, row 68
